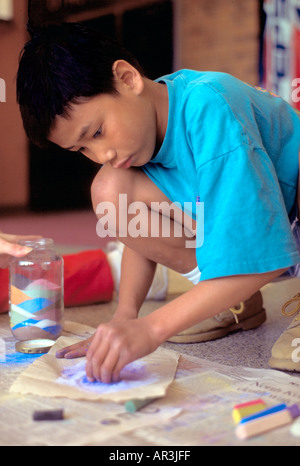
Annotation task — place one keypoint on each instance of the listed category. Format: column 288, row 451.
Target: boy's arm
column 119, row 342
column 137, row 274
column 204, row 301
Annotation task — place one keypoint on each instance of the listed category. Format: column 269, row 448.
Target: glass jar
column 36, row 298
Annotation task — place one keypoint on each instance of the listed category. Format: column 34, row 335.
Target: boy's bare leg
column 168, row 250
column 142, row 253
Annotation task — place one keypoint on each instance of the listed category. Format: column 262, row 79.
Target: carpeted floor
column 76, row 230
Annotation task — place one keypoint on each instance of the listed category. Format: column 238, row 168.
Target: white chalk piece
column 295, row 429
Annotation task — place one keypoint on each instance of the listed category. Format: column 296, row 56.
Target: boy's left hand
column 116, row 344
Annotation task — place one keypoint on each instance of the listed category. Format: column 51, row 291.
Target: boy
column 187, row 137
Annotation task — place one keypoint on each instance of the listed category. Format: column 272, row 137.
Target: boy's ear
column 125, row 73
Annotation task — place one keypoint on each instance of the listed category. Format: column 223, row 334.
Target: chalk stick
column 249, row 403
column 134, row 405
column 295, row 429
column 264, row 412
column 49, row 415
column 266, row 423
column 247, row 409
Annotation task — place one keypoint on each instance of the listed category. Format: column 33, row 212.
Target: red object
column 87, row 280
column 4, row 278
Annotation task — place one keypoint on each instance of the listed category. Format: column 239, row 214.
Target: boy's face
column 120, row 129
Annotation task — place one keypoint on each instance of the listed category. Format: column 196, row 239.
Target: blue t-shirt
column 235, row 148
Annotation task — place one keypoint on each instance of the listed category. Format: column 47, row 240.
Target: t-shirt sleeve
column 246, row 228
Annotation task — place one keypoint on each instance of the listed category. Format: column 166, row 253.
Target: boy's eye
column 98, row 133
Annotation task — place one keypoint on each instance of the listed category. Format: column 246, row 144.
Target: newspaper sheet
column 196, row 409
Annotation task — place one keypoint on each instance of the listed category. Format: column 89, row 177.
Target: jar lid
column 38, row 346
column 37, row 243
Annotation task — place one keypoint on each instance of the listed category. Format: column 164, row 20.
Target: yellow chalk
column 246, row 409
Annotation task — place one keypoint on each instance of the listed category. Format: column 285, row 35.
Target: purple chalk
column 294, row 411
column 49, row 415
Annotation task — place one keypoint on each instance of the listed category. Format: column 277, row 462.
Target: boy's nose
column 109, row 156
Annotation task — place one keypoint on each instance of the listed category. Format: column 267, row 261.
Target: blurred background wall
column 219, row 35
column 13, row 144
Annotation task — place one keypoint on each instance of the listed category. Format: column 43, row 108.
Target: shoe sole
column 284, row 365
column 247, row 324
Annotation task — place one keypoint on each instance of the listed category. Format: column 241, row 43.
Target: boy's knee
column 109, row 183
column 106, row 188
column 102, row 188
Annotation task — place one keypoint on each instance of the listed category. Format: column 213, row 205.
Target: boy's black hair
column 59, row 64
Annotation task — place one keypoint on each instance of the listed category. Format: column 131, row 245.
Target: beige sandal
column 286, row 350
column 248, row 315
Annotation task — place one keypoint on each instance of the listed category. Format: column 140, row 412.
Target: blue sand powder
column 19, row 358
column 133, row 375
column 85, row 380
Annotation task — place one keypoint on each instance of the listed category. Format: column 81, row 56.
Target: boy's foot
column 159, row 288
column 286, row 351
column 246, row 316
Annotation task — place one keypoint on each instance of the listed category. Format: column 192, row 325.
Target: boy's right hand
column 80, row 349
column 77, row 350
column 114, row 345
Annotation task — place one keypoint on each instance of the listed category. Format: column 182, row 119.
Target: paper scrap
column 147, row 377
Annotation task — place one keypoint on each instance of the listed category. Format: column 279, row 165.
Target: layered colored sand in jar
column 36, row 309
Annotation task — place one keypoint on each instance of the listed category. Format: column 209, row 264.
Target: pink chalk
column 249, row 403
